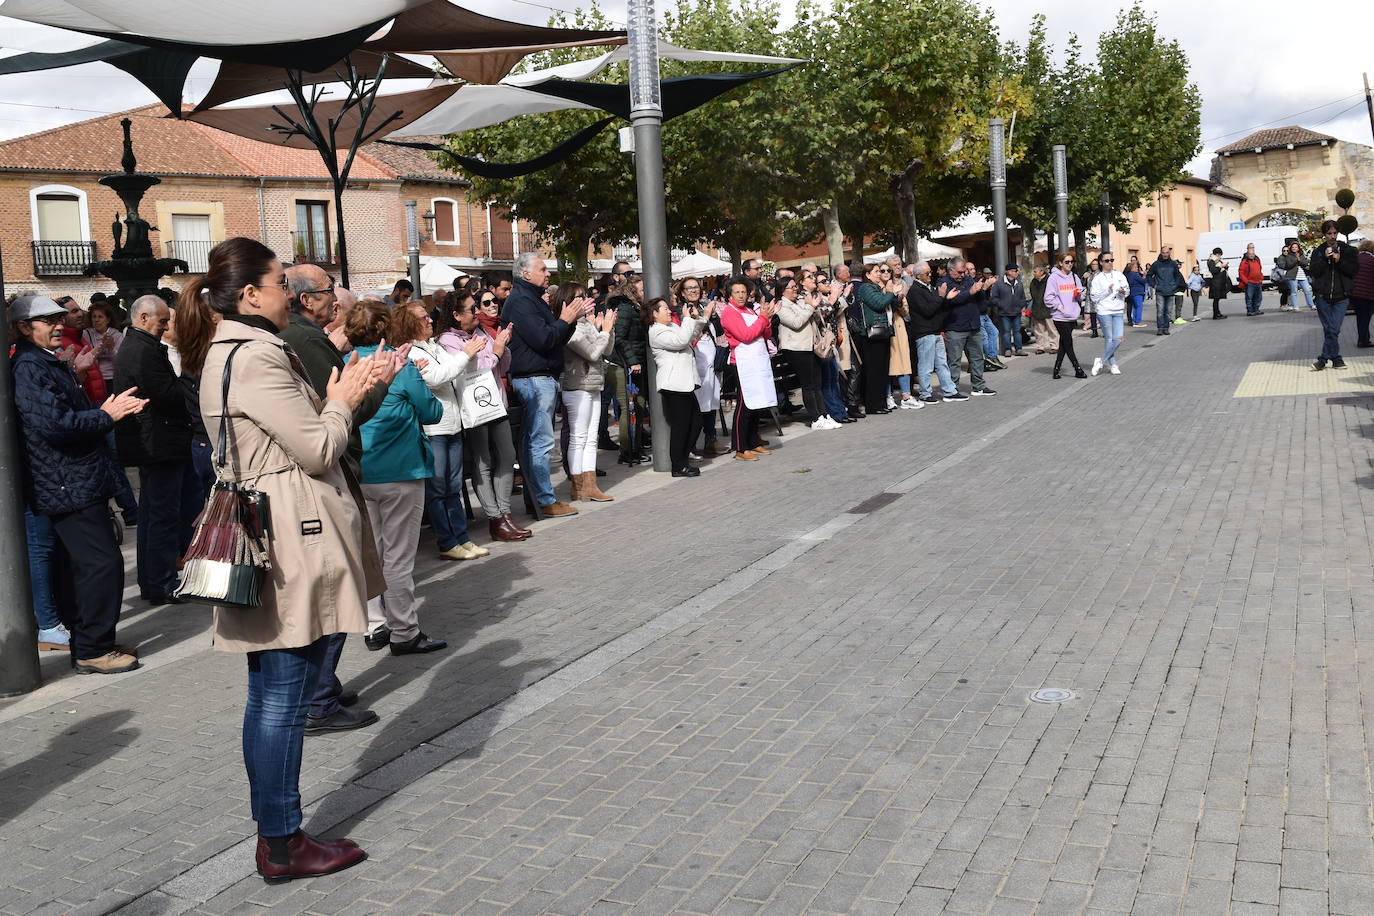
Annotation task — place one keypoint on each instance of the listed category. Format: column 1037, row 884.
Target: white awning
column 482, row 106
column 585, row 69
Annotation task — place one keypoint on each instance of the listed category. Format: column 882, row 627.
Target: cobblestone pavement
column 801, row 685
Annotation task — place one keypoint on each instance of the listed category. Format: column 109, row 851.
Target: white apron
column 708, row 393
column 755, row 370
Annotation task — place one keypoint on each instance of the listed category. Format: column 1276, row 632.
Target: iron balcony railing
column 194, row 252
column 313, row 248
column 62, row 259
column 506, row 245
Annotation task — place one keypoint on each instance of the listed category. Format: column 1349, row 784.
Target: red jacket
column 737, row 331
column 1251, row 271
column 93, row 383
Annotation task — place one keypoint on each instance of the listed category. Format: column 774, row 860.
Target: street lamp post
column 19, row 671
column 997, row 169
column 1105, row 217
column 413, row 247
column 1061, row 197
column 646, row 116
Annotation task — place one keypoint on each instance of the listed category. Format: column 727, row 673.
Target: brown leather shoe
column 558, row 509
column 760, row 450
column 307, row 857
column 500, row 531
column 746, row 456
column 575, row 493
column 514, row 526
column 591, row 491
column 762, row 441
column 712, row 448
column 114, row 662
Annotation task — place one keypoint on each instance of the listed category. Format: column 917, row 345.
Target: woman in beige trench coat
column 285, row 443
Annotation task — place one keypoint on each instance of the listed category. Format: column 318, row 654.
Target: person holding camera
column 1334, row 265
column 584, row 361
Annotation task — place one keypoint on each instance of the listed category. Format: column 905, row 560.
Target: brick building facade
column 55, row 217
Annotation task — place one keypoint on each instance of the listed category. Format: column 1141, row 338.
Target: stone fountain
column 133, row 266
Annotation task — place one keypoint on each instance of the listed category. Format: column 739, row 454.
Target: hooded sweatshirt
column 1062, row 294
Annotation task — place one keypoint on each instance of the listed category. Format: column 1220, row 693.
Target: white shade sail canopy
column 925, row 250
column 585, row 69
column 226, row 22
column 482, row 106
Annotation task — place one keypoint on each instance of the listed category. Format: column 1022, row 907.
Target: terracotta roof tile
column 166, row 146
column 414, row 164
column 1279, row 137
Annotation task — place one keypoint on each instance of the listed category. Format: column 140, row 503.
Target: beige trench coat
column 899, row 356
column 283, row 442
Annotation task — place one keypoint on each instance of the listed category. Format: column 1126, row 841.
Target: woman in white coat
column 688, row 296
column 443, row 372
column 675, row 362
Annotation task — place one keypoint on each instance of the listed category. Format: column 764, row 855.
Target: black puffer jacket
column 161, row 432
column 1333, row 281
column 67, row 464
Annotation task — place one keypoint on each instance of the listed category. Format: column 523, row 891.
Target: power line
column 1246, row 130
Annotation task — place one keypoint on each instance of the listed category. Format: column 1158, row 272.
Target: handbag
column 228, row 557
column 481, row 402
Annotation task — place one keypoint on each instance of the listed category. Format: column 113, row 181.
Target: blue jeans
column 280, row 684
column 200, row 477
column 989, row 336
column 904, row 384
column 1112, row 328
column 930, row 357
column 42, row 556
column 327, row 685
column 1331, row 315
column 1254, row 294
column 1306, row 292
column 1164, row 308
column 1137, row 309
column 539, row 396
column 444, row 492
column 1011, row 331
column 830, row 390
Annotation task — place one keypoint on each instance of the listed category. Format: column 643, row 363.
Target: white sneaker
column 819, row 424
column 1199, row 317
column 1097, row 366
column 1116, row 370
column 891, row 404
column 911, row 404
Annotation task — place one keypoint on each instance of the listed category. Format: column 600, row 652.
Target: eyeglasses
column 884, row 270
column 1109, row 260
column 309, row 292
column 487, row 302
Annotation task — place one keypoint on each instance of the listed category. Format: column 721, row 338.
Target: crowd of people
column 362, row 420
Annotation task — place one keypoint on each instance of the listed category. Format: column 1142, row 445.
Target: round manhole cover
column 1052, row 695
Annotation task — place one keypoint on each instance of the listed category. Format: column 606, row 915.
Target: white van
column 1268, row 242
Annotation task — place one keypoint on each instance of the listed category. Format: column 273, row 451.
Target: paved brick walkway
column 811, row 695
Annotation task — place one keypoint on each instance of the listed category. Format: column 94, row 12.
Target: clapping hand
column 83, row 360
column 474, row 346
column 606, row 321
column 351, row 384
column 119, row 406
column 498, row 346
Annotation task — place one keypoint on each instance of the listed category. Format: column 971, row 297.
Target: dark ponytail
column 234, row 264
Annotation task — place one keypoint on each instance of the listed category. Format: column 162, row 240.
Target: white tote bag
column 481, row 399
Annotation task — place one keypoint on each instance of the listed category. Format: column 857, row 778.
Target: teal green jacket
column 395, row 448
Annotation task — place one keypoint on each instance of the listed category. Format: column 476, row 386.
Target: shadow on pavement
column 86, row 745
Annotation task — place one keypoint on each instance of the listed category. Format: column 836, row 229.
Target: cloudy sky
column 1258, row 64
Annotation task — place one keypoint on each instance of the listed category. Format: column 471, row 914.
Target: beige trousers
column 1046, row 334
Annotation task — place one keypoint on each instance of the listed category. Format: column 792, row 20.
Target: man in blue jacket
column 962, row 293
column 70, row 477
column 1166, row 277
column 536, row 362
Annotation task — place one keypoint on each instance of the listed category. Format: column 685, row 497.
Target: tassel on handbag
column 228, row 557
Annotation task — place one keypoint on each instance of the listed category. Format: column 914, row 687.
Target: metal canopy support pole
column 1061, row 197
column 646, row 116
column 19, row 671
column 997, row 168
column 413, row 247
